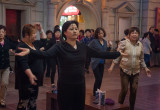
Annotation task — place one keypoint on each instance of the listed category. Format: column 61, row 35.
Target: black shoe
column 2, row 104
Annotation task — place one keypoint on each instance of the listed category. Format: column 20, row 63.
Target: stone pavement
column 148, row 95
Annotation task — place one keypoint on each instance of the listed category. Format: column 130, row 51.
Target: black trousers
column 51, row 69
column 71, row 96
column 27, row 98
column 125, row 81
column 87, row 63
column 98, row 74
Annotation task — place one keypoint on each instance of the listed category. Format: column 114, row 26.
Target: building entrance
column 13, row 23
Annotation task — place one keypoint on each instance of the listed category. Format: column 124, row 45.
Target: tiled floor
column 148, row 95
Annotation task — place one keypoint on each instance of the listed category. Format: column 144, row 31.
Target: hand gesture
column 11, row 50
column 148, row 72
column 38, row 26
column 33, row 79
column 110, row 70
column 25, row 51
column 122, row 53
column 42, row 49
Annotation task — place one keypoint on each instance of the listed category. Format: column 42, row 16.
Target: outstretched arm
column 52, row 52
column 99, row 54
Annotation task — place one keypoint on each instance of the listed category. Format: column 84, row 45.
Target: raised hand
column 25, row 51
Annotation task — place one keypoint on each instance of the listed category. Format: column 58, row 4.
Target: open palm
column 24, row 51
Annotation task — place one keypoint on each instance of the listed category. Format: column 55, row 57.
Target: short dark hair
column 56, row 27
column 3, row 27
column 156, row 30
column 82, row 31
column 66, row 25
column 151, row 27
column 48, row 31
column 126, row 32
column 98, row 31
column 92, row 30
column 27, row 29
column 87, row 30
column 55, row 30
column 132, row 29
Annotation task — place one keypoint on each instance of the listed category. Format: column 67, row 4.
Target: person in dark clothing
column 52, row 62
column 46, row 61
column 28, row 69
column 98, row 63
column 5, row 45
column 86, row 40
column 152, row 39
column 71, row 60
column 157, row 47
column 81, row 35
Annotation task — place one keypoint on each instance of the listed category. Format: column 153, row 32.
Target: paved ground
column 148, row 95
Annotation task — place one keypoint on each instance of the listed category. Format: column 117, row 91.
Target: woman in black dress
column 71, row 60
column 28, row 69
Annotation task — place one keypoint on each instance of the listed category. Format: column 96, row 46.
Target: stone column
column 105, row 21
column 52, row 12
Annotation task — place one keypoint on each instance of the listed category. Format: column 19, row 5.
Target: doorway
column 124, row 23
column 13, row 24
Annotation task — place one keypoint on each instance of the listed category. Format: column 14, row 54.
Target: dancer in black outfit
column 71, row 60
column 28, row 69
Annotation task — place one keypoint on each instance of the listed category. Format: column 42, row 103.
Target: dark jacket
column 152, row 39
column 4, row 53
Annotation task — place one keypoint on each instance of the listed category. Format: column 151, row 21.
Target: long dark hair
column 66, row 25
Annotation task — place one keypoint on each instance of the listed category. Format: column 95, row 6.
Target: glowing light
column 71, row 10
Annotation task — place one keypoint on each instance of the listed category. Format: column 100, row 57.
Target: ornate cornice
column 23, row 3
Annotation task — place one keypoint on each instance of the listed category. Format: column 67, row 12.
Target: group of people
column 151, row 45
column 70, row 53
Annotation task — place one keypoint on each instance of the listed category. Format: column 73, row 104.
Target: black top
column 28, row 62
column 4, row 52
column 71, row 61
column 50, row 43
column 152, row 39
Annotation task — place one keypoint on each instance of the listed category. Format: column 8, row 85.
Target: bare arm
column 31, row 76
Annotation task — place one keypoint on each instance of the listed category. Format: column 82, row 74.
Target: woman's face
column 134, row 36
column 49, row 35
column 33, row 35
column 88, row 34
column 57, row 34
column 100, row 34
column 80, row 33
column 2, row 33
column 72, row 32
